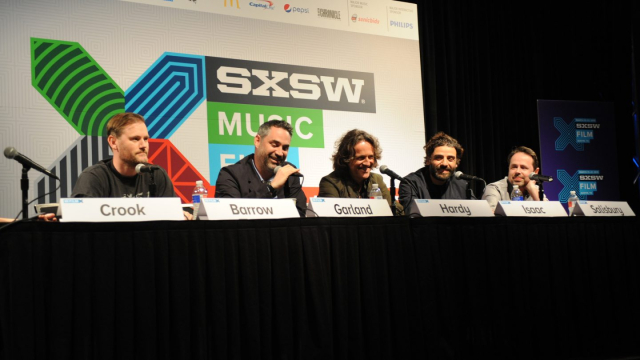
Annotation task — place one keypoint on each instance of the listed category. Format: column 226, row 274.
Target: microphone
column 142, row 168
column 285, row 163
column 385, row 170
column 11, row 153
column 540, row 178
column 461, row 175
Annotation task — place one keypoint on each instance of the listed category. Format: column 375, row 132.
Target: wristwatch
column 273, row 191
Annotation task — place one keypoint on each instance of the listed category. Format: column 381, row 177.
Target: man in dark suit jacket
column 255, row 177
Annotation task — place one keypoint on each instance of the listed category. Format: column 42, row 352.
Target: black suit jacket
column 241, row 180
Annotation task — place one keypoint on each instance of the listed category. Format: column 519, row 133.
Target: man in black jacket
column 436, row 179
column 254, row 176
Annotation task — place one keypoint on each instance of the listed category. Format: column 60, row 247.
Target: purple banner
column 577, row 148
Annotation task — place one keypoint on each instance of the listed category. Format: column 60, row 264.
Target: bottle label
column 517, row 198
column 196, row 199
column 377, row 197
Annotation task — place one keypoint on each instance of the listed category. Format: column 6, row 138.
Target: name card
column 451, row 207
column 347, row 207
column 235, row 209
column 530, row 208
column 120, row 209
column 603, row 208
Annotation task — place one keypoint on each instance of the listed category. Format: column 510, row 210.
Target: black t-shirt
column 103, row 180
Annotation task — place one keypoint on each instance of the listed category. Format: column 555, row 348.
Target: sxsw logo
column 584, row 182
column 260, row 83
column 292, row 9
column 577, row 133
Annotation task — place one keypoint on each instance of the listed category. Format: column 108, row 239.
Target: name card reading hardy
column 530, row 208
column 603, row 208
column 120, row 209
column 451, row 207
column 344, row 207
column 234, row 209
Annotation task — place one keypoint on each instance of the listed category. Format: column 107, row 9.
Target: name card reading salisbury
column 345, row 207
column 450, row 207
column 603, row 208
column 120, row 209
column 234, row 209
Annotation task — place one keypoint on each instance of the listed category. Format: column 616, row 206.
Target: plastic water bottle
column 516, row 194
column 375, row 192
column 572, row 201
column 199, row 192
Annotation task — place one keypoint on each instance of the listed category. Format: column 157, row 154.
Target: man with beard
column 357, row 152
column 522, row 162
column 436, row 179
column 255, row 177
column 116, row 177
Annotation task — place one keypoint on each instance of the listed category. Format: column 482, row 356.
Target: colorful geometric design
column 183, row 175
column 84, row 152
column 570, row 183
column 75, row 85
column 168, row 92
column 567, row 135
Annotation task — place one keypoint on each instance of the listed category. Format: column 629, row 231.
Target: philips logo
column 259, row 83
column 404, row 25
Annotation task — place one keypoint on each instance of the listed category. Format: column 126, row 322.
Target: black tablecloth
column 385, row 288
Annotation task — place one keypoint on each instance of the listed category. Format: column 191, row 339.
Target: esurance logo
column 292, row 9
column 260, row 83
column 262, row 4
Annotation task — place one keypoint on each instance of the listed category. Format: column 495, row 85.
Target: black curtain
column 484, row 65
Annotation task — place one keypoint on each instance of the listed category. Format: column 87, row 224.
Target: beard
column 266, row 161
column 442, row 177
column 134, row 159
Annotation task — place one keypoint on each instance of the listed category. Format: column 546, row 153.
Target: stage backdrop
column 205, row 74
column 577, row 148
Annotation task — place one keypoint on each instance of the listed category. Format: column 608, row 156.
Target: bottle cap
column 374, row 186
column 516, row 186
column 198, row 182
column 572, row 192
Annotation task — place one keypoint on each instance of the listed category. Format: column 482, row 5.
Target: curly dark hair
column 442, row 139
column 345, row 148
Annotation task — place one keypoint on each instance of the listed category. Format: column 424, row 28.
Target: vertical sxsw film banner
column 205, row 74
column 576, row 139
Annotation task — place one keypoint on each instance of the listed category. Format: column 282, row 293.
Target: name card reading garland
column 346, row 207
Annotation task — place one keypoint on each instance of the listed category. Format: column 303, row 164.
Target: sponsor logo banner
column 261, row 83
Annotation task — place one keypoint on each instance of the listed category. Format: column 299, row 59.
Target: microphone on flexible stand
column 285, row 163
column 540, row 178
column 142, row 168
column 461, row 176
column 11, row 153
column 385, row 170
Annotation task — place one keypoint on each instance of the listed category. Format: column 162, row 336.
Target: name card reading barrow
column 347, row 207
column 603, row 208
column 235, row 209
column 451, row 207
column 530, row 208
column 120, row 209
